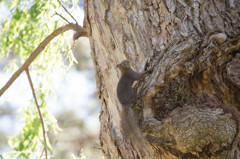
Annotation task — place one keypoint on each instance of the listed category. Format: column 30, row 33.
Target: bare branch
column 62, row 17
column 39, row 49
column 68, row 12
column 39, row 111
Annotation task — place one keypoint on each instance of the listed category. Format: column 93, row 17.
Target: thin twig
column 39, row 49
column 39, row 111
column 97, row 146
column 68, row 12
column 73, row 45
column 25, row 41
column 42, row 153
column 62, row 17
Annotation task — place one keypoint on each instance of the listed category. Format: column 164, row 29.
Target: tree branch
column 68, row 12
column 39, row 49
column 39, row 111
column 62, row 17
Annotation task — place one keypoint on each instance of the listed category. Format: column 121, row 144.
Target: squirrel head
column 124, row 66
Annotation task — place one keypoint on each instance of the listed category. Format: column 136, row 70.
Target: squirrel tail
column 131, row 130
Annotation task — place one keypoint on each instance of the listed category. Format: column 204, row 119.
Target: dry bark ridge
column 189, row 105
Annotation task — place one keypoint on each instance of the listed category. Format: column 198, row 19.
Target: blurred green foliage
column 31, row 21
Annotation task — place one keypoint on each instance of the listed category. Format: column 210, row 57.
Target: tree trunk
column 188, row 106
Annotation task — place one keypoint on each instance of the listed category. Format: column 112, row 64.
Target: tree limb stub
column 40, row 48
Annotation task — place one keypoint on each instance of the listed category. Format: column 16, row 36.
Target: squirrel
column 125, row 93
column 127, row 96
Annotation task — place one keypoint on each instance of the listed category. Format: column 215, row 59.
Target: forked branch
column 68, row 12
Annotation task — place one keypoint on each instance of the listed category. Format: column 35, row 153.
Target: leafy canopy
column 29, row 22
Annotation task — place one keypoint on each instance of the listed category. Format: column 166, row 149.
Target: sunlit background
column 75, row 105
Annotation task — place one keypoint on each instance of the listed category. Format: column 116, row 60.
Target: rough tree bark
column 188, row 107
